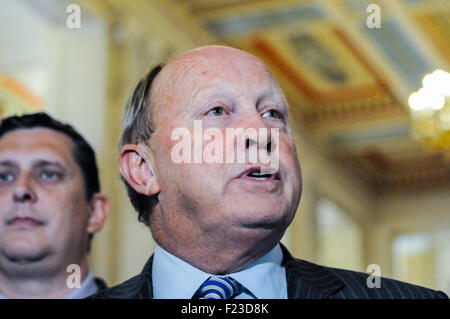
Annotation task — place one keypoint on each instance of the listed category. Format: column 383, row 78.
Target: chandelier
column 430, row 112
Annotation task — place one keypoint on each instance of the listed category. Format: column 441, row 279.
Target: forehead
column 218, row 61
column 199, row 69
column 28, row 144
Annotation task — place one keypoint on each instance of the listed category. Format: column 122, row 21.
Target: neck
column 222, row 247
column 35, row 281
column 221, row 256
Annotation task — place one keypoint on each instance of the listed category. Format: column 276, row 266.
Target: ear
column 136, row 167
column 99, row 205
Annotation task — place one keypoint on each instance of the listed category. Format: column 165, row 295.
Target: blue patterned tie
column 219, row 287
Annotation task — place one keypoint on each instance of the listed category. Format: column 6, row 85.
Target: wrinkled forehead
column 220, row 61
column 207, row 64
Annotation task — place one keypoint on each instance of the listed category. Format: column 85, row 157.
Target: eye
column 217, row 111
column 273, row 114
column 6, row 177
column 48, row 175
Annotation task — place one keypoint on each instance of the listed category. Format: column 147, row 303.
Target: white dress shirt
column 174, row 278
column 87, row 288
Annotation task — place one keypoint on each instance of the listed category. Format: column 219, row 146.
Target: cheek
column 184, row 183
column 198, row 178
column 289, row 160
column 6, row 197
column 67, row 208
column 287, row 149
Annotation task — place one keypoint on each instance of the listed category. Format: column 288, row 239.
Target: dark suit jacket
column 101, row 284
column 304, row 280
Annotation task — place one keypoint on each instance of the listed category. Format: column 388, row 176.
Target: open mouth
column 258, row 175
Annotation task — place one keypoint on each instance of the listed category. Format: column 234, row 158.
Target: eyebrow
column 48, row 163
column 12, row 164
column 276, row 97
column 8, row 163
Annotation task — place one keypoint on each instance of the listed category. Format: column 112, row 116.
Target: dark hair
column 82, row 152
column 137, row 126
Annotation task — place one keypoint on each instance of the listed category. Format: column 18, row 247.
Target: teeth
column 262, row 178
column 258, row 175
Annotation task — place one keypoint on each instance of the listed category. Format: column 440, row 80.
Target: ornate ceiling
column 347, row 83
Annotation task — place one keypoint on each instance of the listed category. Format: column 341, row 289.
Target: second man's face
column 43, row 206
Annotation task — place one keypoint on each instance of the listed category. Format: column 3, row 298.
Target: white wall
column 66, row 67
column 23, row 49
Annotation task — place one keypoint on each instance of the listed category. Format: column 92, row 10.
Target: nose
column 263, row 142
column 254, row 133
column 23, row 191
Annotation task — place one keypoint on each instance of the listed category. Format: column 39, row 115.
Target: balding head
column 198, row 63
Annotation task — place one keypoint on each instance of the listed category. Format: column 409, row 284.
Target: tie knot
column 219, row 287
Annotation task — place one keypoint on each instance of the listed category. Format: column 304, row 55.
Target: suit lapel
column 101, row 284
column 306, row 280
column 144, row 282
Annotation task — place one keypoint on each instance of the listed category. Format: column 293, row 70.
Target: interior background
column 373, row 193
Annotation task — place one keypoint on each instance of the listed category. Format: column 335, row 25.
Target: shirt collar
column 174, row 278
column 87, row 288
column 265, row 278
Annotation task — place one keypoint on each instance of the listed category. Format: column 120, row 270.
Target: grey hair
column 138, row 126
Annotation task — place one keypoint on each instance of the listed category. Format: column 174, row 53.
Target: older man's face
column 223, row 88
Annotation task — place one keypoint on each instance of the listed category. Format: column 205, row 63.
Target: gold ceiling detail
column 430, row 112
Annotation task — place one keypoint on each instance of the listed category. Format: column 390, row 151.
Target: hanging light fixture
column 430, row 112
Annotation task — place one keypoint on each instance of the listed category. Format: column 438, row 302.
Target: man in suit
column 50, row 207
column 218, row 222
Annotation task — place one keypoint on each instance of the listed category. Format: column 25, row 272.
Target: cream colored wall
column 414, row 259
column 339, row 238
column 412, row 213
